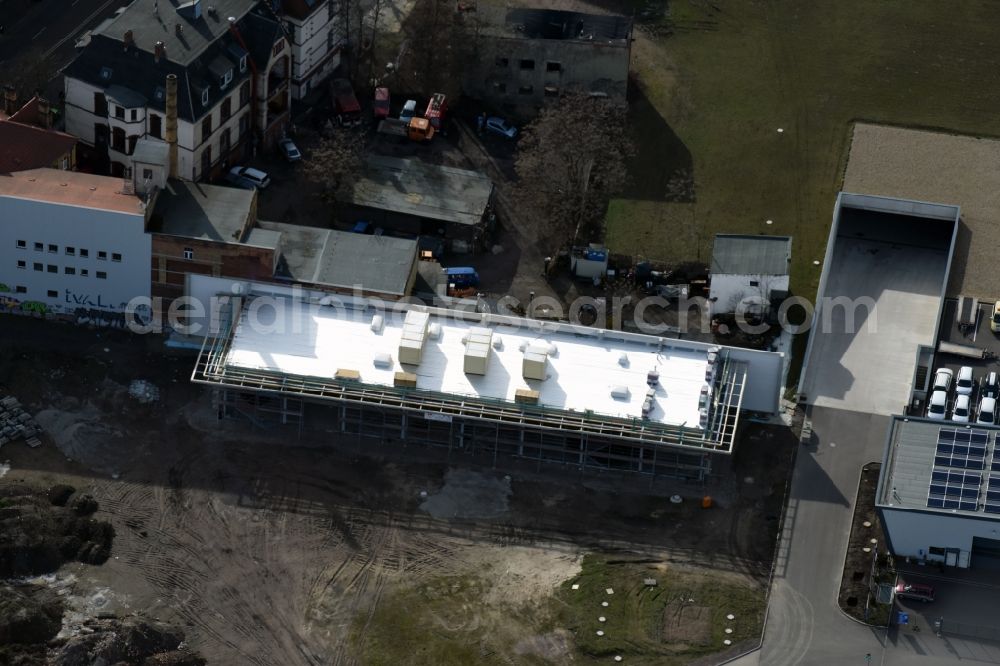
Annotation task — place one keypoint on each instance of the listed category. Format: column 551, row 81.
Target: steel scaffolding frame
column 526, row 431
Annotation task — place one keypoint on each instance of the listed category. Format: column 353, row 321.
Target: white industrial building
column 939, row 492
column 316, row 36
column 91, row 254
column 748, row 272
column 549, row 391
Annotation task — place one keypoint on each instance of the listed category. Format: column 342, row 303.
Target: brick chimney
column 44, row 113
column 9, row 100
column 171, row 124
column 159, row 51
column 128, row 40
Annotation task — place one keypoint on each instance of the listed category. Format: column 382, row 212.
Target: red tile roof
column 26, row 147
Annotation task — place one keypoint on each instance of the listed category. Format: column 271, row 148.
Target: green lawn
column 722, row 77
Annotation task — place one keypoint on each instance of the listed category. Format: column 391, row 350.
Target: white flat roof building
column 580, row 372
column 445, row 364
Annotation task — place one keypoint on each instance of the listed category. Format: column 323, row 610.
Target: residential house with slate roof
column 232, row 63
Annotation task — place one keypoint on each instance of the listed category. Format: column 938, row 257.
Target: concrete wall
column 912, row 532
column 728, row 291
column 77, row 228
column 584, row 66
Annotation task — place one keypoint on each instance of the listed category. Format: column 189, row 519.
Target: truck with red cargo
column 437, row 107
column 346, row 108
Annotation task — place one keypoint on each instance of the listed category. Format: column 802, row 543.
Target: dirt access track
column 269, row 549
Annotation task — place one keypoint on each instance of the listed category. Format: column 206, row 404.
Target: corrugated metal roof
column 751, row 255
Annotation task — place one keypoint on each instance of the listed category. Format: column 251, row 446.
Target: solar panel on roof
column 954, row 489
column 964, row 449
column 991, row 508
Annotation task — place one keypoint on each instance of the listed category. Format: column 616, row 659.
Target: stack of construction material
column 15, row 423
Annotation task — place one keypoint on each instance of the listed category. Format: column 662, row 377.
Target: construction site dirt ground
column 268, row 548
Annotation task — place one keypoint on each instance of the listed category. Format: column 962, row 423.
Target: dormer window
column 243, row 64
column 226, row 79
column 204, row 97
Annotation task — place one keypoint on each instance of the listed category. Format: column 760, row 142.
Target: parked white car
column 937, row 406
column 249, row 174
column 987, row 411
column 963, row 409
column 942, row 380
column 964, row 383
column 991, row 385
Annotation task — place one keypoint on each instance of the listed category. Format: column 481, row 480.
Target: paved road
column 804, row 625
column 46, row 29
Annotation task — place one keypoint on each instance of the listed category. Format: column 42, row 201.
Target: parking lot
column 978, row 337
column 966, row 607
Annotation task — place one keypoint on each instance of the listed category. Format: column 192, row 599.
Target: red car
column 915, row 591
column 381, row 105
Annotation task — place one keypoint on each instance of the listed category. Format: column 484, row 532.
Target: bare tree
column 570, row 162
column 335, row 163
column 440, row 41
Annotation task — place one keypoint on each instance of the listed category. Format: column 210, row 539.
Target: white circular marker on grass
column 604, row 603
column 781, row 130
column 727, row 642
column 730, row 617
column 728, row 630
column 602, row 619
column 600, row 633
column 769, row 222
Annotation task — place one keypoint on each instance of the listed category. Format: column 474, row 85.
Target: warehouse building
column 408, row 197
column 939, row 492
column 484, row 383
column 71, row 245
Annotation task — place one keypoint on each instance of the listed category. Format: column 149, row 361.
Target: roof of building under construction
column 491, row 367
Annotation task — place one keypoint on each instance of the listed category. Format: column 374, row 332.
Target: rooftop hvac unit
column 404, row 380
column 378, row 321
column 383, row 360
column 411, row 342
column 653, row 377
column 434, row 331
column 535, row 364
column 477, row 350
column 526, row 397
column 647, row 408
column 620, row 392
column 623, row 360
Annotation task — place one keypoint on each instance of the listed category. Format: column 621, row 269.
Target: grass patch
column 456, row 620
column 682, row 618
column 428, row 624
column 718, row 79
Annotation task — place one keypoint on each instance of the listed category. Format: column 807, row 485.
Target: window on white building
column 53, row 248
column 84, row 272
column 20, row 289
column 101, row 275
column 102, row 255
column 52, row 269
column 39, row 247
column 53, row 293
column 22, row 264
column 84, row 252
column 71, row 251
column 69, row 270
column 115, row 256
column 22, row 244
